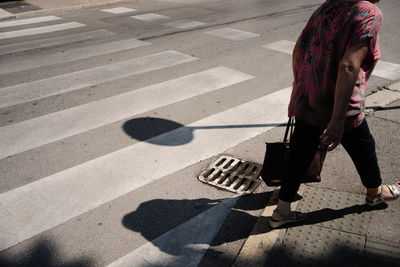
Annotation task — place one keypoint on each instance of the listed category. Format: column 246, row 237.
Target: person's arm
column 349, row 68
column 294, row 57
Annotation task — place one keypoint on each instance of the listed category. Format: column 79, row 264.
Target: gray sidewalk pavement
column 340, row 230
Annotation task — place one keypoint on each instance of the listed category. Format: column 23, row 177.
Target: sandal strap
column 394, row 190
column 375, row 198
column 297, row 215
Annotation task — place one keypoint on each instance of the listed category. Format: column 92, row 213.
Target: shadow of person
column 324, row 215
column 380, row 108
column 154, row 218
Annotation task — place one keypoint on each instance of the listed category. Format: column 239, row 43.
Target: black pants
column 358, row 142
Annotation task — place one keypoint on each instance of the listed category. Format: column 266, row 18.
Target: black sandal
column 297, row 218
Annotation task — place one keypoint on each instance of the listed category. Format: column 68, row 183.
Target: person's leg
column 360, row 145
column 303, row 147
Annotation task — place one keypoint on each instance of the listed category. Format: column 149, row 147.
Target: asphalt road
column 106, row 123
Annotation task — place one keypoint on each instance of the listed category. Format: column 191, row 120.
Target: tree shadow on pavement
column 156, row 217
column 17, row 6
column 309, row 250
column 340, row 254
column 43, row 253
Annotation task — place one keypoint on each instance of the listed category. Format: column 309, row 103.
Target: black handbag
column 276, row 161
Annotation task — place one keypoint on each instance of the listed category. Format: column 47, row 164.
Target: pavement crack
column 144, row 259
column 385, row 119
column 273, row 14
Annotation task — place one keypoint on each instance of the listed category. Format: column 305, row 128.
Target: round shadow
column 158, row 131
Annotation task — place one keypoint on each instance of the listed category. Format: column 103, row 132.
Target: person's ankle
column 283, row 205
column 280, row 213
column 374, row 191
column 282, row 210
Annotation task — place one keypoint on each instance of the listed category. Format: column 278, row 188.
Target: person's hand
column 332, row 135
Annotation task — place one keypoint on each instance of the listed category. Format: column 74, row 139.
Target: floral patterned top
column 335, row 26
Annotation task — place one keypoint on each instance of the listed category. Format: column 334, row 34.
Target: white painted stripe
column 5, row 14
column 185, row 24
column 395, row 86
column 381, row 98
column 21, row 93
column 232, row 34
column 42, row 130
column 383, row 69
column 40, row 30
column 150, row 17
column 43, row 204
column 119, row 10
column 191, row 2
column 183, row 246
column 283, row 46
column 387, row 70
column 25, row 63
column 28, row 21
column 49, row 42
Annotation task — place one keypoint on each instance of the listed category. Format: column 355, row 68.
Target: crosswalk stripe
column 19, row 64
column 189, row 2
column 388, row 70
column 43, row 204
column 184, row 245
column 26, row 135
column 40, row 30
column 28, row 21
column 383, row 69
column 184, row 24
column 35, row 90
column 283, row 46
column 150, row 17
column 232, row 34
column 118, row 10
column 5, row 14
column 54, row 41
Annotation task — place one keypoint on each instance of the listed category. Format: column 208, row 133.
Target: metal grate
column 232, row 174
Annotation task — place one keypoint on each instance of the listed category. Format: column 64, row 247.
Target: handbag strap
column 289, row 128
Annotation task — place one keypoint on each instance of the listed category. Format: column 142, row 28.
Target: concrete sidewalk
column 340, row 230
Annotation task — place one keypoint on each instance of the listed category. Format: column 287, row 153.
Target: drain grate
column 232, row 174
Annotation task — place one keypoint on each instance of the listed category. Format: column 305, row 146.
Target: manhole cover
column 232, row 174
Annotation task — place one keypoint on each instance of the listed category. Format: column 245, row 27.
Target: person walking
column 332, row 60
